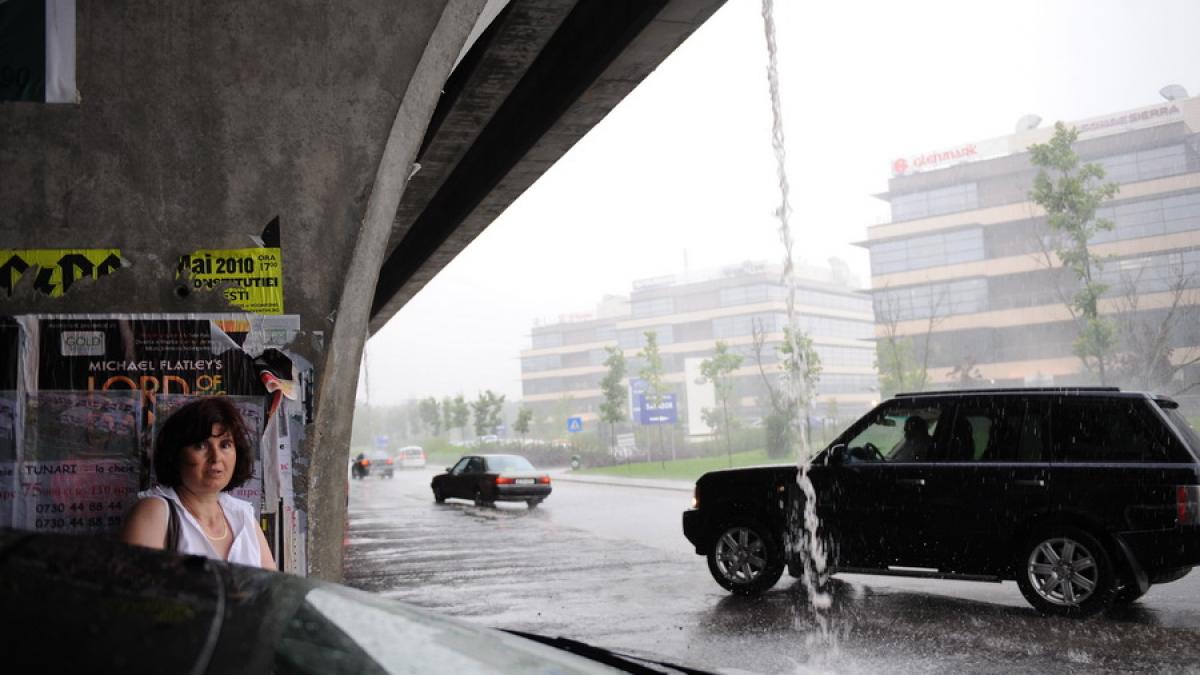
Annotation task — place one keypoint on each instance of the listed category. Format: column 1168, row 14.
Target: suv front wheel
column 1066, row 571
column 746, row 558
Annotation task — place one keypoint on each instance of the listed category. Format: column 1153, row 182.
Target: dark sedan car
column 487, row 479
column 382, row 464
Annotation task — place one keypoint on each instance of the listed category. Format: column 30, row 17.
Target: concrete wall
column 199, row 122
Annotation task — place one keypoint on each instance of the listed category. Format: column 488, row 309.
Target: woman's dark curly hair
column 193, row 424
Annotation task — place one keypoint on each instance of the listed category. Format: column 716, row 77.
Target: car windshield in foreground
column 339, row 630
column 502, row 463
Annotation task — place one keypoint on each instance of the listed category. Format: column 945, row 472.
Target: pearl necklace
column 224, row 522
column 223, row 534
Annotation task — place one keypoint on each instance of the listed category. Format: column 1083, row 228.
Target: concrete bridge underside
column 199, row 123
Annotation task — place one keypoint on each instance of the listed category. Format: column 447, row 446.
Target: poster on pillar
column 251, row 279
column 97, row 389
column 10, row 335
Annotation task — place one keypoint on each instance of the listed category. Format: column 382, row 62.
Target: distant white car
column 411, row 457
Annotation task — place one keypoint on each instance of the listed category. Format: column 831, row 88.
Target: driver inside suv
column 917, row 441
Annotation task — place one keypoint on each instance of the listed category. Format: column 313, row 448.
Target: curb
column 619, row 482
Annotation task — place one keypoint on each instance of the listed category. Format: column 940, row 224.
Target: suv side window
column 1106, row 430
column 997, row 429
column 461, row 467
column 902, row 431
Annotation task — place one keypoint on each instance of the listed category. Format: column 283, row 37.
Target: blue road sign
column 574, row 424
column 381, row 442
column 646, row 412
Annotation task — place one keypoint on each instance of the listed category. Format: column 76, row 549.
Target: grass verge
column 682, row 469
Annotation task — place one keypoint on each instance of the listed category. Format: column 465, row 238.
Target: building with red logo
column 964, row 275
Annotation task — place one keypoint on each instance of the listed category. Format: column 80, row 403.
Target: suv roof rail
column 1006, row 390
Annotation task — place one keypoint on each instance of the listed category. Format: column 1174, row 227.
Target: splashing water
column 802, row 535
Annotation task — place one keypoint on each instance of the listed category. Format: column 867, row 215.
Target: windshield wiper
column 625, row 662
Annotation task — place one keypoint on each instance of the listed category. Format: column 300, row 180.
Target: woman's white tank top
column 240, row 514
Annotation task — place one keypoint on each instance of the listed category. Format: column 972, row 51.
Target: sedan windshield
column 502, row 463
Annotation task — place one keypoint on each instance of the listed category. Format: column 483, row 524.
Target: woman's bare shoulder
column 146, row 524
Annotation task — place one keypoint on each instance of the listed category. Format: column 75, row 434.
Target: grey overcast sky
column 683, row 169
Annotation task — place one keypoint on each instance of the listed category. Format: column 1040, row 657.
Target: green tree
column 487, row 411
column 1150, row 358
column 564, row 407
column 801, row 364
column 616, row 392
column 430, row 415
column 521, row 425
column 410, row 421
column 831, row 412
column 479, row 412
column 901, row 365
column 965, row 374
column 462, row 415
column 719, row 370
column 784, row 406
column 899, row 369
column 447, row 414
column 651, row 373
column 496, row 417
column 1070, row 193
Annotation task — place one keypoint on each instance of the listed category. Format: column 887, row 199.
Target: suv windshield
column 902, row 433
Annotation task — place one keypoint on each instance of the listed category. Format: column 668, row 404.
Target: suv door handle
column 1035, row 482
column 911, row 481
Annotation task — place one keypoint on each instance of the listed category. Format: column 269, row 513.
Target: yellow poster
column 251, row 279
column 55, row 270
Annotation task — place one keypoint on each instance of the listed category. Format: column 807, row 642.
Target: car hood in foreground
column 89, row 604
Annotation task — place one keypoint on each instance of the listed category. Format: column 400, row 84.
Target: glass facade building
column 966, row 269
column 564, row 365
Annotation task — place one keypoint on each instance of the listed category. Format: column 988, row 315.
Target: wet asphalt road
column 609, row 565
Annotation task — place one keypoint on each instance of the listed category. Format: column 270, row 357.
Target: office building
column 962, row 270
column 562, row 370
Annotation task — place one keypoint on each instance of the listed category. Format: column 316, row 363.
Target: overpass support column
column 335, row 395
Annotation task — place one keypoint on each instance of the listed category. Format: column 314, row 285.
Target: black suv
column 1084, row 496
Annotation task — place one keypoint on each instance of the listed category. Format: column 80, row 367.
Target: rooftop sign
column 1134, row 119
column 1113, row 123
column 940, row 159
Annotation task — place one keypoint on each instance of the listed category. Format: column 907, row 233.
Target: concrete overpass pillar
column 335, row 400
column 197, row 123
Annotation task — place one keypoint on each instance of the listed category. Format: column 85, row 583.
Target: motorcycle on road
column 361, row 467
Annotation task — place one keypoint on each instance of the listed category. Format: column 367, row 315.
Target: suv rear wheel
column 745, row 559
column 1066, row 571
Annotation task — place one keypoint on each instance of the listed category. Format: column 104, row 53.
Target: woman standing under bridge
column 201, row 453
